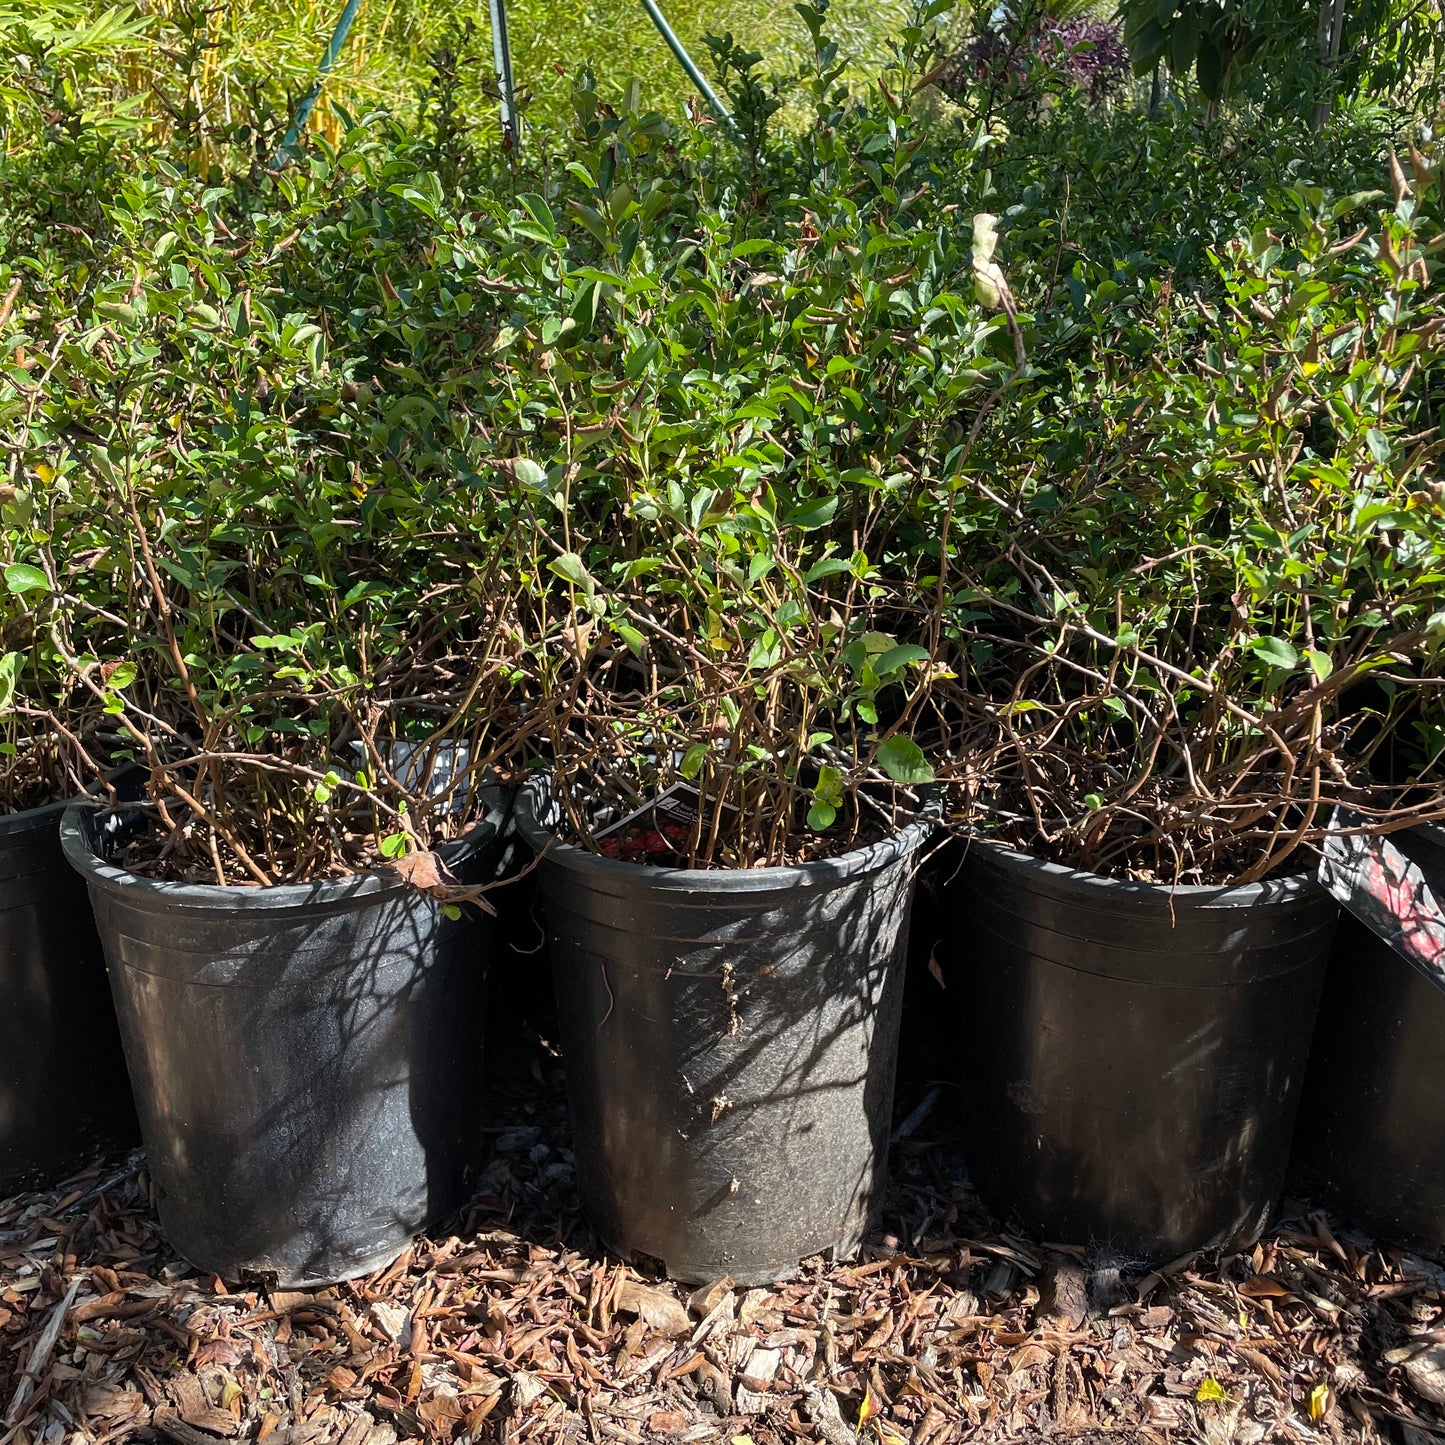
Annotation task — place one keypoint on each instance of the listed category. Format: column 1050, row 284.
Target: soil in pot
column 307, row 1059
column 1132, row 1054
column 730, row 1039
column 1371, row 1137
column 64, row 1095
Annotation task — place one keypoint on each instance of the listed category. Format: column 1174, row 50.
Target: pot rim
column 574, row 857
column 76, row 833
column 127, row 778
column 1433, row 833
column 28, row 818
column 1303, row 884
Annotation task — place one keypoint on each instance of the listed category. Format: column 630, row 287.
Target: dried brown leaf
column 659, row 1311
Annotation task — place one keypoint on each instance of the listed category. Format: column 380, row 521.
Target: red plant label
column 1386, row 891
column 659, row 832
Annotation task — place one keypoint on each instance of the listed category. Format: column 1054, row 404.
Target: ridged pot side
column 1131, row 1055
column 730, row 1040
column 306, row 1060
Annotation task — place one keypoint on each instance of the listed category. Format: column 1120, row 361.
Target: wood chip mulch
column 518, row 1328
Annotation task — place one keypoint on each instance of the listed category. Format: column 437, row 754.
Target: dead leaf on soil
column 659, row 1311
column 1426, row 1373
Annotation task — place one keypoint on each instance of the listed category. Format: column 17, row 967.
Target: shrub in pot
column 727, row 854
column 1370, row 1136
column 1210, row 612
column 292, row 915
column 64, row 1098
column 728, row 829
column 304, row 1045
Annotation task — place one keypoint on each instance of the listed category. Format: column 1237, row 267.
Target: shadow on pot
column 730, row 1040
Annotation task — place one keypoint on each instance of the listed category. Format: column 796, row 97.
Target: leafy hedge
column 784, row 469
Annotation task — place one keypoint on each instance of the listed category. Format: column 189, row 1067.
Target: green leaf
column 821, row 816
column 1379, row 444
column 9, row 679
column 1146, row 43
column 363, row 589
column 394, row 845
column 1276, row 651
column 693, row 759
column 540, row 212
column 631, row 636
column 814, row 514
column 1320, row 663
column 21, row 577
column 1183, row 43
column 829, row 787
column 1347, row 204
column 571, row 568
column 530, row 474
column 899, row 657
column 902, row 759
column 828, row 567
column 1209, row 64
column 122, row 677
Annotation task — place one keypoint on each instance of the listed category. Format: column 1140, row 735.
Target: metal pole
column 693, row 73
column 303, row 111
column 502, row 59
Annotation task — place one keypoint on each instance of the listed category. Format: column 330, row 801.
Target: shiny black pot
column 730, row 1040
column 64, row 1096
column 1371, row 1138
column 1132, row 1055
column 307, row 1060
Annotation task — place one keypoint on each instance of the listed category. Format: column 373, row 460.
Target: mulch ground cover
column 519, row 1327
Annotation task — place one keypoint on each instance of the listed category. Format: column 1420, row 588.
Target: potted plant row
column 1222, row 616
column 679, row 492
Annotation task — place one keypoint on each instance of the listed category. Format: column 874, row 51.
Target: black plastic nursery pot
column 64, row 1096
column 306, row 1059
column 729, row 1040
column 1133, row 1054
column 1371, row 1137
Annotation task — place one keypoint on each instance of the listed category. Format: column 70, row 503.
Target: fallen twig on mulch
column 516, row 1328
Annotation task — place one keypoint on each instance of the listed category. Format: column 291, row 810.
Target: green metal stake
column 502, row 59
column 693, row 73
column 308, row 101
